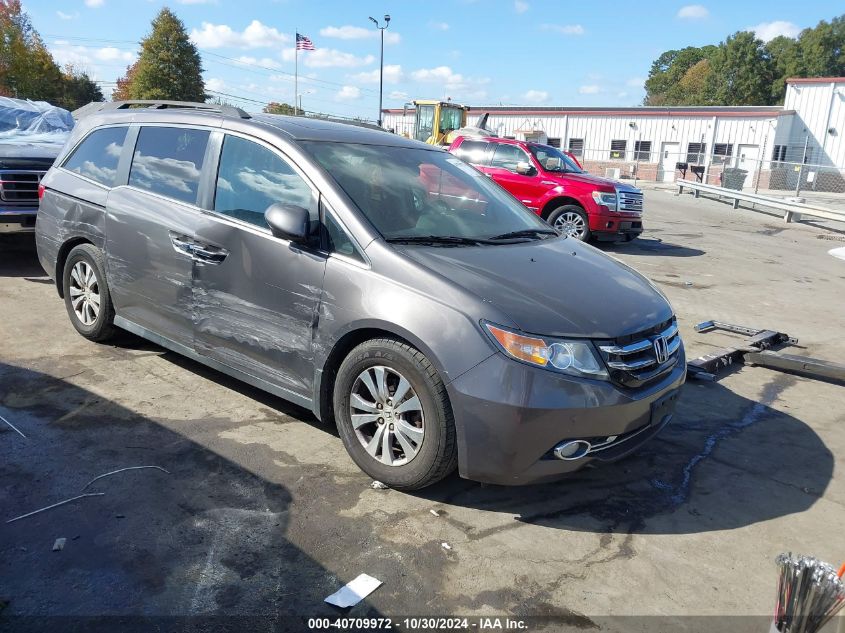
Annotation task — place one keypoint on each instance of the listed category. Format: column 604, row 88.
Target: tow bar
column 757, row 351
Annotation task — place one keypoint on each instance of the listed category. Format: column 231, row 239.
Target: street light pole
column 381, row 65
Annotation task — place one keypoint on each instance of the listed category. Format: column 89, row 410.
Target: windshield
column 451, row 119
column 552, row 159
column 408, row 192
column 425, row 122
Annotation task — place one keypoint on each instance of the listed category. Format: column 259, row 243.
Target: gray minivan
column 377, row 281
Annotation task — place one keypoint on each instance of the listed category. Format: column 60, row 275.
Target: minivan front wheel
column 87, row 297
column 570, row 220
column 393, row 415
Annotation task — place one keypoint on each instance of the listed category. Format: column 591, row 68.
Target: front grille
column 630, row 201
column 633, row 360
column 20, row 187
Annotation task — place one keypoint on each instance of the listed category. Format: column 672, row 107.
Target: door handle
column 196, row 250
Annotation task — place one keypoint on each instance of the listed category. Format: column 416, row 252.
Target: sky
column 478, row 52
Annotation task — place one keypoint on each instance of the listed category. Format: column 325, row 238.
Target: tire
column 420, row 458
column 629, row 237
column 84, row 282
column 571, row 220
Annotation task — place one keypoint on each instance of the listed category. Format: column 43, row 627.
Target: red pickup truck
column 552, row 184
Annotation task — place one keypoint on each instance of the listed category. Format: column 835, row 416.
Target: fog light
column 610, row 225
column 572, row 449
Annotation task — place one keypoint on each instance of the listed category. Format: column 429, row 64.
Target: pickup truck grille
column 630, row 202
column 641, row 358
column 20, row 187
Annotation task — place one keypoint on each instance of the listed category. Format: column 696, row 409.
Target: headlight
column 605, row 199
column 576, row 358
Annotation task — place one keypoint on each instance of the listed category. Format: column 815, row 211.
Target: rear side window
column 97, row 156
column 251, row 178
column 168, row 161
column 472, row 152
column 507, row 156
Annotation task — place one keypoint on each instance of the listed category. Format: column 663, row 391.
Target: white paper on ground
column 353, row 592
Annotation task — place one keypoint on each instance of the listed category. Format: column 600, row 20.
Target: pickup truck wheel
column 87, row 297
column 570, row 220
column 394, row 416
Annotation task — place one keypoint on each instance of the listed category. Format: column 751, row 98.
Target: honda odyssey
column 379, row 282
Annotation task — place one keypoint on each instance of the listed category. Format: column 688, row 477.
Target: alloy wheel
column 84, row 293
column 387, row 415
column 571, row 224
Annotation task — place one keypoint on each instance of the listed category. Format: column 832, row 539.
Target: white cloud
column 84, row 57
column 693, row 12
column 398, row 95
column 215, row 84
column 359, row 33
column 622, row 94
column 454, row 84
column 564, row 29
column 770, row 30
column 348, row 93
column 256, row 35
column 535, row 96
column 111, row 54
column 440, row 73
column 520, row 6
column 94, row 4
column 392, row 75
column 197, row 1
column 589, row 89
column 635, row 82
column 439, row 26
column 266, row 62
column 328, row 58
column 67, row 16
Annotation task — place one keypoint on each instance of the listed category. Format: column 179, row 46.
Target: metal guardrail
column 790, row 209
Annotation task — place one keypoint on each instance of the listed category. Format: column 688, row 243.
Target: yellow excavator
column 441, row 122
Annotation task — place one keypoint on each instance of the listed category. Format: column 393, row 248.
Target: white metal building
column 766, row 141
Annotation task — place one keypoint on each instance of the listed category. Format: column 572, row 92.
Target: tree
column 694, row 87
column 742, row 71
column 27, row 70
column 668, row 70
column 169, row 66
column 78, row 89
column 787, row 61
column 823, row 49
column 121, row 93
column 278, row 108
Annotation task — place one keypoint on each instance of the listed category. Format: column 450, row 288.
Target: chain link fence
column 780, row 174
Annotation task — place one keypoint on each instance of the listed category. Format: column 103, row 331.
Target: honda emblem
column 661, row 349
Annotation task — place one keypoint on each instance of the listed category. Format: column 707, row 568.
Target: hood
column 39, row 150
column 590, row 179
column 553, row 287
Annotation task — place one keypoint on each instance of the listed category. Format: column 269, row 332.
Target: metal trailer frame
column 757, row 352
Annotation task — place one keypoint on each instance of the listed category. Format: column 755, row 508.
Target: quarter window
column 507, row 157
column 251, row 178
column 472, row 152
column 98, row 155
column 168, row 161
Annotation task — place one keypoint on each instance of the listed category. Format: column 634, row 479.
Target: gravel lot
column 262, row 513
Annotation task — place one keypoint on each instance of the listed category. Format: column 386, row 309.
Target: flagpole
column 296, row 68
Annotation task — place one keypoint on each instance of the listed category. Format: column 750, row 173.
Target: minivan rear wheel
column 570, row 220
column 394, row 416
column 87, row 297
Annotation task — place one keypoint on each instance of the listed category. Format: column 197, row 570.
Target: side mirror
column 524, row 169
column 288, row 221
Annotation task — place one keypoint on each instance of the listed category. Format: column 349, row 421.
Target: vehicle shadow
column 649, row 246
column 173, row 550
column 18, row 257
column 725, row 462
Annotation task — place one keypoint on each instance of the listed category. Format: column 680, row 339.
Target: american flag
column 303, row 43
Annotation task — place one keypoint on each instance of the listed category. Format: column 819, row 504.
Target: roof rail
column 158, row 104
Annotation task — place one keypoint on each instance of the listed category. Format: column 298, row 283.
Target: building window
column 695, row 153
column 722, row 153
column 576, row 146
column 642, row 150
column 617, row 149
column 554, row 142
column 779, row 153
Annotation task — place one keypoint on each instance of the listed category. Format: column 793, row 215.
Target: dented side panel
column 150, row 281
column 256, row 309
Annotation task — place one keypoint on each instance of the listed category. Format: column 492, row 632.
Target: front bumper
column 614, row 226
column 510, row 416
column 17, row 219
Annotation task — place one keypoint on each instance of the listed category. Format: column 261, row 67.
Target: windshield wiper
column 437, row 239
column 523, row 233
